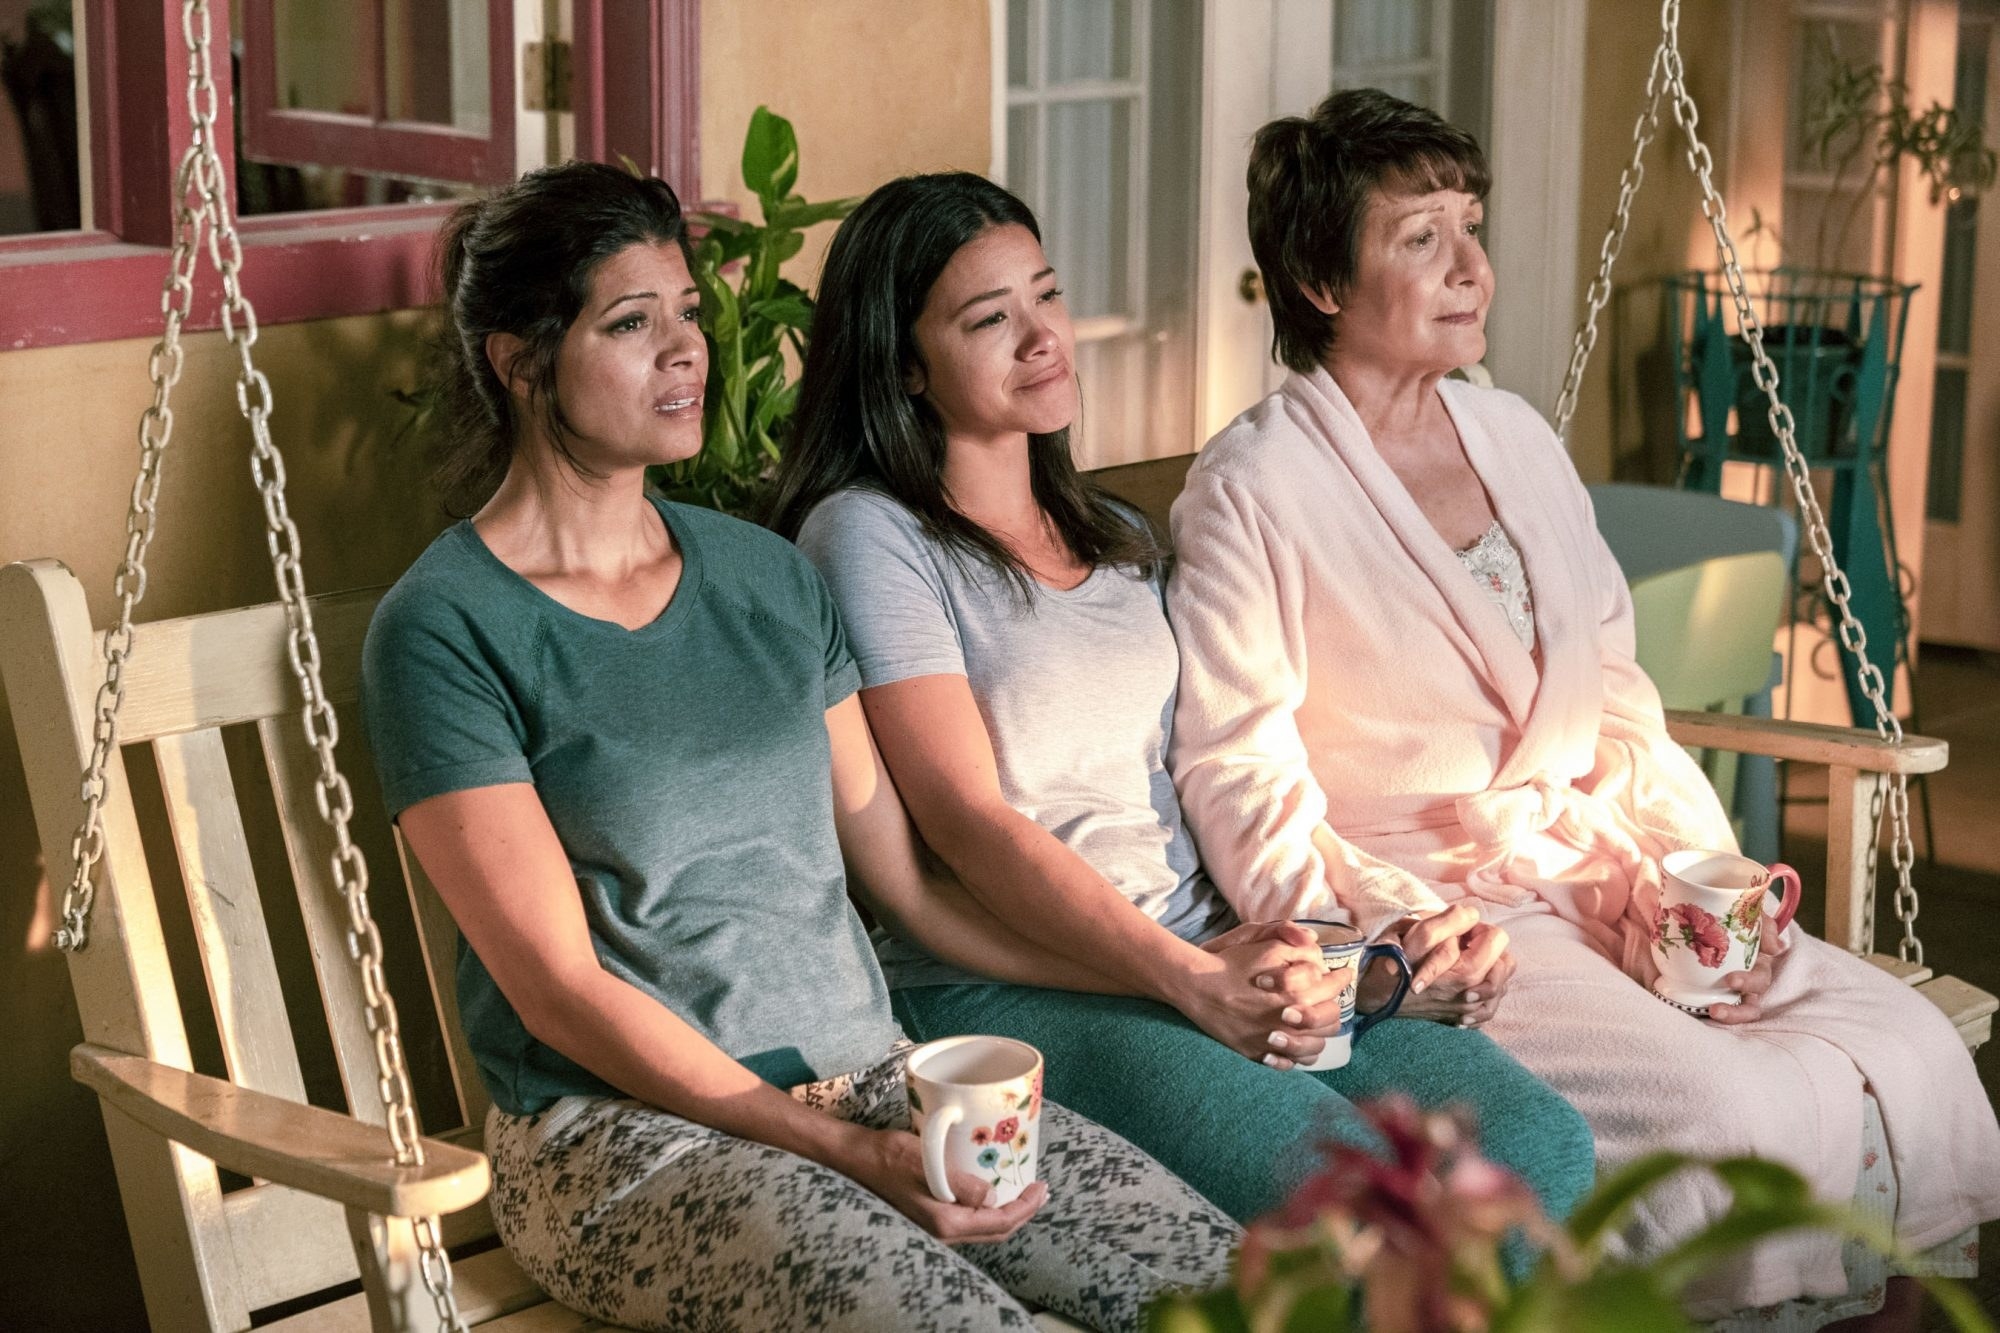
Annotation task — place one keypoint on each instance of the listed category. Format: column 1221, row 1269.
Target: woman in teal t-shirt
column 1019, row 673
column 621, row 737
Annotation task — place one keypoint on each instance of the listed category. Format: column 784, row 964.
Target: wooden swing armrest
column 1806, row 742
column 321, row 1152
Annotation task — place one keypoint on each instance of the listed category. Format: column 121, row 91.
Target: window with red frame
column 372, row 101
column 373, row 116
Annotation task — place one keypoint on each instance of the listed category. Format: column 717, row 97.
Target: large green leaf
column 721, row 222
column 794, row 312
column 1610, row 1200
column 1624, row 1299
column 797, row 213
column 1214, row 1312
column 1958, row 1303
column 1742, row 1226
column 770, row 158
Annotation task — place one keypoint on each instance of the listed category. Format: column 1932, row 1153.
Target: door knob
column 1250, row 286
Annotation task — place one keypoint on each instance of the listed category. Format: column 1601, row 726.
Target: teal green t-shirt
column 686, row 769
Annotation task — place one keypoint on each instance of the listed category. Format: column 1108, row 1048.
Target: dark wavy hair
column 1311, row 179
column 520, row 261
column 858, row 426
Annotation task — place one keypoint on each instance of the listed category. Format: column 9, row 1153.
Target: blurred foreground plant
column 1410, row 1244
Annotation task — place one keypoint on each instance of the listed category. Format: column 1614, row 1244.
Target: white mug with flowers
column 1710, row 922
column 976, row 1102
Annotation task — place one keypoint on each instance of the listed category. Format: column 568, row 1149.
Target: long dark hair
column 520, row 261
column 858, row 426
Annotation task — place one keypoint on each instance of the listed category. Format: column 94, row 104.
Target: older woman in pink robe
column 1408, row 689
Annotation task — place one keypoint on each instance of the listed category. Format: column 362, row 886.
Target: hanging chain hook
column 203, row 213
column 1668, row 76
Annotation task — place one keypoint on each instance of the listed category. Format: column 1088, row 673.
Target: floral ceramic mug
column 1341, row 947
column 976, row 1102
column 1709, row 922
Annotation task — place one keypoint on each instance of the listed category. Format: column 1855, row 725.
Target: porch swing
column 331, row 1197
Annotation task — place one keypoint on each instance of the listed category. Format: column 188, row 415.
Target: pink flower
column 1424, row 1226
column 1750, row 908
column 1702, row 933
column 982, row 1136
column 1006, row 1129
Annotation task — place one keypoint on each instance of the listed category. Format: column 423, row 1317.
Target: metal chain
column 156, row 429
column 1629, row 182
column 1669, row 74
column 1853, row 637
column 205, row 210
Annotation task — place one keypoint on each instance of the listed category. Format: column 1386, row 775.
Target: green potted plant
column 756, row 321
column 1409, row 1243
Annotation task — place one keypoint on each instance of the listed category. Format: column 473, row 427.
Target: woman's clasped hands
column 1461, row 964
column 1265, row 993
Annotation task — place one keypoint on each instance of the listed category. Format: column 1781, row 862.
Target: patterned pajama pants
column 647, row 1220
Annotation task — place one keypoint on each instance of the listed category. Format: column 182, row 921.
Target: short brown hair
column 1311, row 178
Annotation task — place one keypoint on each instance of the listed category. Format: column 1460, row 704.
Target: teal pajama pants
column 1242, row 1133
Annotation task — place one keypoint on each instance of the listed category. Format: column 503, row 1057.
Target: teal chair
column 1709, row 579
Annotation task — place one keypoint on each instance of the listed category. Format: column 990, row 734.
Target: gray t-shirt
column 1077, row 693
column 686, row 768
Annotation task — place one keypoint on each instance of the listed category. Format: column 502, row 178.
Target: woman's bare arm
column 501, row 870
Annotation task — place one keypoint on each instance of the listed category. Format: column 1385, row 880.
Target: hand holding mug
column 1711, row 928
column 976, row 1109
column 1750, row 985
column 889, row 1163
column 1346, row 954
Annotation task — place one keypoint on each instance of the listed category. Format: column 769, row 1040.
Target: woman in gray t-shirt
column 1018, row 672
column 621, row 738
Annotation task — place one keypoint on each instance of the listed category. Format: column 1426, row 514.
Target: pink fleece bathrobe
column 1360, row 731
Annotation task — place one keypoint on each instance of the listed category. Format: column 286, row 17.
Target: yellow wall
column 1667, row 232
column 871, row 99
column 874, row 92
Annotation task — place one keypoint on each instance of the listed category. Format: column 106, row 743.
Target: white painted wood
column 1913, row 974
column 309, row 848
column 1232, row 335
column 1536, row 152
column 124, row 988
column 391, row 1272
column 1850, row 833
column 306, row 1147
column 490, row 1288
column 228, row 914
column 231, row 667
column 438, row 934
column 287, row 1242
column 1969, row 1008
column 1806, row 742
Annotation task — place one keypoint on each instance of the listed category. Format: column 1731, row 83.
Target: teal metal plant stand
column 1836, row 340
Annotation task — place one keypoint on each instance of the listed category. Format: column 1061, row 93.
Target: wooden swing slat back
column 210, row 1258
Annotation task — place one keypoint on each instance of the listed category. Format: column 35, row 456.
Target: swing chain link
column 1629, row 182
column 156, row 429
column 1668, row 75
column 1835, row 586
column 204, row 210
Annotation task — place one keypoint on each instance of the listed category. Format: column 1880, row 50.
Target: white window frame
column 1132, row 90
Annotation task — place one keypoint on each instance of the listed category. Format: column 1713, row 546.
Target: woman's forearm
column 951, row 923
column 642, row 1048
column 1025, row 876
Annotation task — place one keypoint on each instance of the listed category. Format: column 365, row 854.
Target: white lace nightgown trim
column 1496, row 566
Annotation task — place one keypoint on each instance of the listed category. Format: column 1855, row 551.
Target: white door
column 1269, row 58
column 1962, row 535
column 1101, row 102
